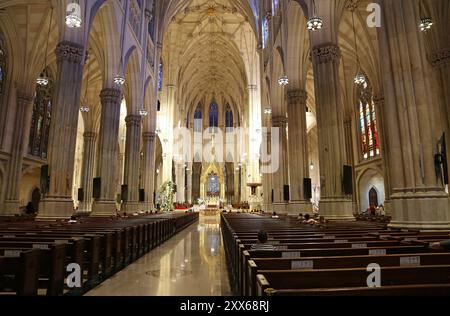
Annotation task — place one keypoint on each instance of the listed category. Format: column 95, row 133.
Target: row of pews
column 332, row 259
column 34, row 255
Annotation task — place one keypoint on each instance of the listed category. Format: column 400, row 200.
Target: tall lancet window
column 213, row 116
column 2, row 69
column 160, row 77
column 370, row 141
column 198, row 119
column 229, row 119
column 41, row 119
column 265, row 31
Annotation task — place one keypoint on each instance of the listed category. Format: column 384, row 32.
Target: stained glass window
column 275, row 4
column 40, row 121
column 160, row 77
column 265, row 30
column 370, row 142
column 198, row 119
column 213, row 116
column 229, row 119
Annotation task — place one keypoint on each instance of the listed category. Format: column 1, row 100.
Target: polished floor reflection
column 192, row 263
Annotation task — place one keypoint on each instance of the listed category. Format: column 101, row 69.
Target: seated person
column 73, row 219
column 443, row 245
column 274, row 215
column 300, row 217
column 262, row 242
column 308, row 220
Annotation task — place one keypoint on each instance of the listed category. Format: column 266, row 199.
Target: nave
column 192, row 263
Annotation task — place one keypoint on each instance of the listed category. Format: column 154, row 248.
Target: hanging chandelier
column 360, row 78
column 119, row 80
column 425, row 23
column 73, row 15
column 84, row 109
column 143, row 112
column 283, row 81
column 315, row 23
column 43, row 80
column 268, row 111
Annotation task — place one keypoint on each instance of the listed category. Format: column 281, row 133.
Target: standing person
column 29, row 209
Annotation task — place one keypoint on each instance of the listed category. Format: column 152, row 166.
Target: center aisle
column 192, row 263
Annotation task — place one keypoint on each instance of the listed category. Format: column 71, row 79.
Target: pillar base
column 10, row 208
column 336, row 209
column 432, row 212
column 55, row 208
column 280, row 207
column 297, row 207
column 130, row 207
column 104, row 208
column 146, row 206
column 268, row 208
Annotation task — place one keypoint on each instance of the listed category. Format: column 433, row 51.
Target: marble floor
column 191, row 263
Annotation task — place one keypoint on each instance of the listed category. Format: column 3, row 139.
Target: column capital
column 90, row 135
column 279, row 121
column 24, row 98
column 440, row 58
column 70, row 52
column 149, row 136
column 326, row 53
column 297, row 97
column 378, row 99
column 133, row 120
column 109, row 95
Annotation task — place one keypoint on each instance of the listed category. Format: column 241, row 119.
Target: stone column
column 180, row 181
column 58, row 201
column 267, row 179
column 298, row 151
column 132, row 158
column 332, row 153
column 107, row 165
column 189, row 183
column 87, row 170
column 418, row 199
column 148, row 172
column 237, row 195
column 21, row 132
column 280, row 176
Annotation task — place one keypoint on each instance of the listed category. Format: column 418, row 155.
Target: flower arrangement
column 166, row 193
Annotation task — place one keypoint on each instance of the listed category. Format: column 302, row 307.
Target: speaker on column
column 80, row 195
column 286, row 193
column 142, row 195
column 175, row 188
column 272, row 196
column 97, row 189
column 45, row 179
column 348, row 180
column 307, row 188
column 124, row 192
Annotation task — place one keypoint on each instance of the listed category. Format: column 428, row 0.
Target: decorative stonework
column 149, row 136
column 351, row 5
column 378, row 99
column 279, row 121
column 90, row 135
column 70, row 52
column 297, row 97
column 440, row 58
column 133, row 120
column 326, row 53
column 110, row 96
column 24, row 98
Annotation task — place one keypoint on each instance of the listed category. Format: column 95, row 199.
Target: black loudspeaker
column 45, row 179
column 81, row 195
column 272, row 196
column 175, row 188
column 307, row 189
column 348, row 180
column 286, row 193
column 124, row 192
column 97, row 189
column 141, row 195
